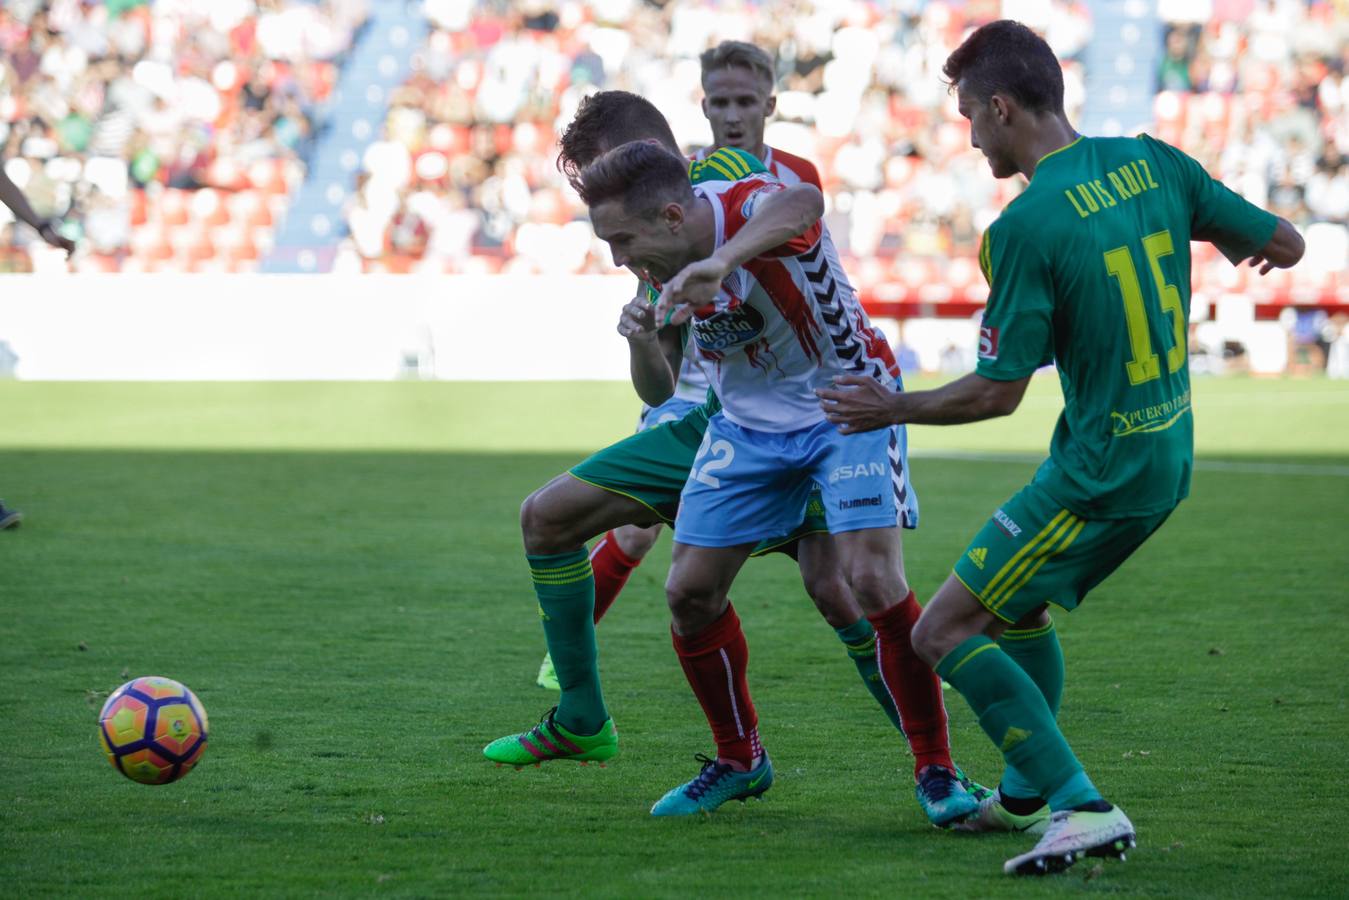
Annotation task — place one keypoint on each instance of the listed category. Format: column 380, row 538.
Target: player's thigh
column 873, row 562
column 1033, row 551
column 744, row 486
column 822, row 573
column 649, row 467
column 698, row 584
column 855, row 475
column 566, row 512
column 951, row 617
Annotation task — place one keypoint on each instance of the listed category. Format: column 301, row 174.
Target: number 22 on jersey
column 721, row 453
column 1145, row 365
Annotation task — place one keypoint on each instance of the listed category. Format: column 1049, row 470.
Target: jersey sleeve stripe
column 732, row 161
column 986, row 259
column 716, row 164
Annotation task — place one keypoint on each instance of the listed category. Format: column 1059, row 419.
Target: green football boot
column 715, row 784
column 993, row 816
column 548, row 675
column 1073, row 834
column 548, row 741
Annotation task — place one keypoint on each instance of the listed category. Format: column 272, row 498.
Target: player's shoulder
column 742, row 187
column 797, row 165
column 723, row 164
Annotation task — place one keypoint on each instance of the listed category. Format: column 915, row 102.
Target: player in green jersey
column 1089, row 269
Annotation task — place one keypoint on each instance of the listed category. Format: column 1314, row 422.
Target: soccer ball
column 153, row 730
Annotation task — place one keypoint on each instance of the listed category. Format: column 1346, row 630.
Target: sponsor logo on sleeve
column 988, row 342
column 1006, row 524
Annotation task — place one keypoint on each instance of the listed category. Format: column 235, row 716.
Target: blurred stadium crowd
column 169, row 134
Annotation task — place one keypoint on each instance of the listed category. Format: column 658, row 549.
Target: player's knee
column 877, row 589
column 544, row 530
column 637, row 542
column 833, row 599
column 928, row 642
column 693, row 606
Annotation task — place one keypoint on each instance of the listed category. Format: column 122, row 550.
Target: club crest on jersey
column 988, row 342
column 732, row 327
column 747, row 208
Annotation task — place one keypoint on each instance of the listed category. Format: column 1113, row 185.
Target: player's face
column 987, row 134
column 736, row 102
column 653, row 249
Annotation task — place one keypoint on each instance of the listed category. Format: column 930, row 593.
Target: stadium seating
column 460, row 176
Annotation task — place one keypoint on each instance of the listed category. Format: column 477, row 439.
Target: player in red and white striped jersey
column 773, row 318
column 737, row 100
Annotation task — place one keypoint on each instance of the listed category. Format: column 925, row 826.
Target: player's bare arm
column 654, row 354
column 11, row 196
column 1283, row 251
column 783, row 215
column 860, row 403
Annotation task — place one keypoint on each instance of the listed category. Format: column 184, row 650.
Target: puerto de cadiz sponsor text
column 1157, row 417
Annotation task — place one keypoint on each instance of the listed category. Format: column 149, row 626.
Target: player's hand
column 638, row 320
column 858, row 403
column 693, row 286
column 49, row 234
column 1265, row 265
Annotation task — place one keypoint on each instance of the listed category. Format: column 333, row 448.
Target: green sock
column 565, row 585
column 1013, row 712
column 860, row 639
column 1037, row 652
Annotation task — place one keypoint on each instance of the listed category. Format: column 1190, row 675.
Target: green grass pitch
column 336, row 571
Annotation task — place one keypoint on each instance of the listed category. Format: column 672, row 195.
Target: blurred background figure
column 358, row 136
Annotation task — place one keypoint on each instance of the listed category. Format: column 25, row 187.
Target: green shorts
column 1033, row 551
column 651, row 467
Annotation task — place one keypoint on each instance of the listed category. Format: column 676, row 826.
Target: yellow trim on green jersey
column 725, row 164
column 1069, row 534
column 992, row 585
column 1060, row 150
column 986, row 258
column 634, row 499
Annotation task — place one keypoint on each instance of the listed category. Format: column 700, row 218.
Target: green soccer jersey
column 1089, row 268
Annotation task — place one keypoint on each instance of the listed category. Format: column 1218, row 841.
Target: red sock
column 913, row 685
column 612, row 567
column 714, row 661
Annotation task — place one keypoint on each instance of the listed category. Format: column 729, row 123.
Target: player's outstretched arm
column 653, row 353
column 12, row 197
column 1283, row 251
column 781, row 216
column 861, row 403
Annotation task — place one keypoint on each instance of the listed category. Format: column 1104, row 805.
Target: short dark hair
column 741, row 55
column 605, row 120
column 1007, row 57
column 644, row 176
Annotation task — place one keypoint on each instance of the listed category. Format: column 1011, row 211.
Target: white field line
column 1201, row 465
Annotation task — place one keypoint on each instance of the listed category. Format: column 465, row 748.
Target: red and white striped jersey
column 784, row 323
column 788, row 168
